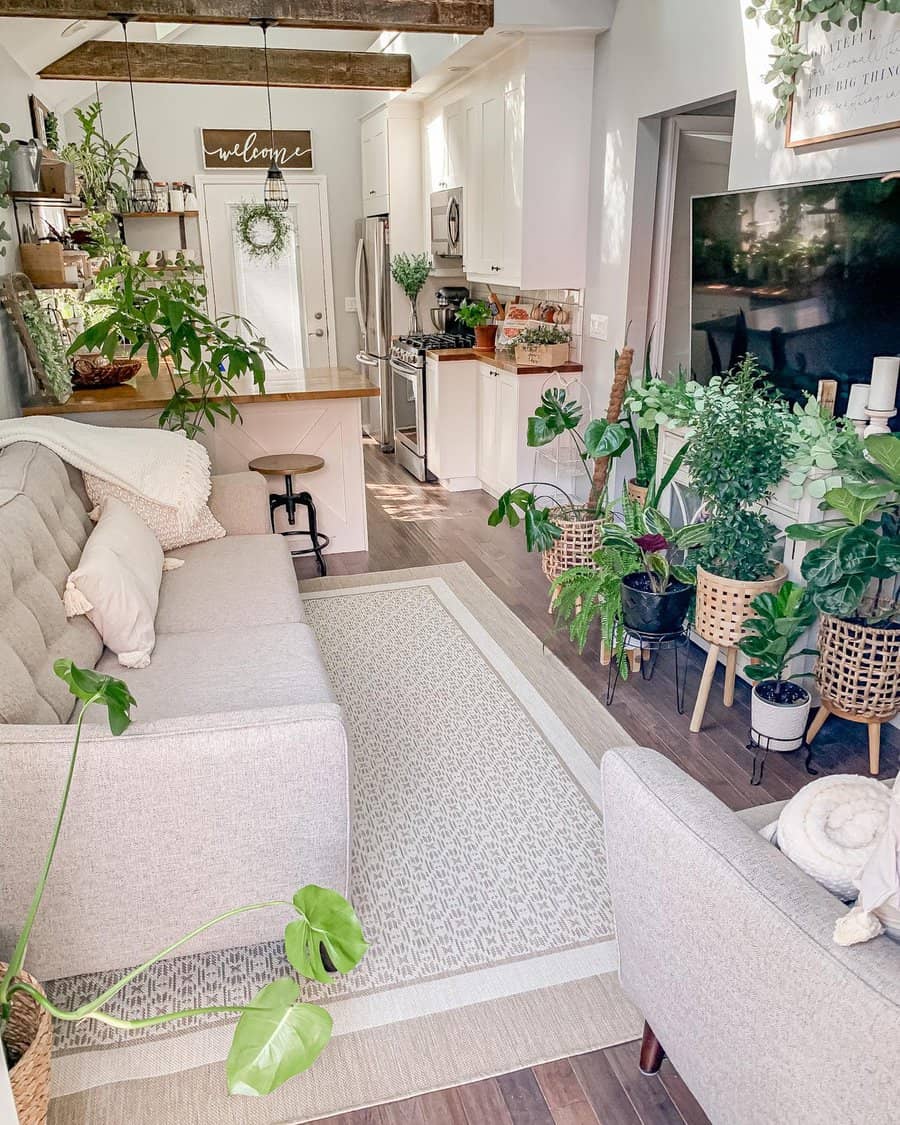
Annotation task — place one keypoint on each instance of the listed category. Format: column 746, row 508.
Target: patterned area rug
column 477, row 871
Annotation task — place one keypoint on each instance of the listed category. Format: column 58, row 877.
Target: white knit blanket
column 162, row 466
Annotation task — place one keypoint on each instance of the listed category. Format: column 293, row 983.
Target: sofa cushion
column 240, row 578
column 228, row 669
column 43, row 528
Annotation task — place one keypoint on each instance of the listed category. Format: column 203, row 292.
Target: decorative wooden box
column 542, row 355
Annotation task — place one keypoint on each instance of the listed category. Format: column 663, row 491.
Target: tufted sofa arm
column 240, row 502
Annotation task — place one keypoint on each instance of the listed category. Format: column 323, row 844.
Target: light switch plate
column 599, row 329
column 349, row 304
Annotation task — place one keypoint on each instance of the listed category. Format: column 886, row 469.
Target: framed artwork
column 38, row 118
column 849, row 86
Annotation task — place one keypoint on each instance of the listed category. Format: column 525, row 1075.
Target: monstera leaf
column 605, row 439
column 90, row 686
column 553, row 417
column 327, row 924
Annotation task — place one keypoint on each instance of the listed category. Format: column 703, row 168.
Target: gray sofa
column 232, row 784
column 726, row 948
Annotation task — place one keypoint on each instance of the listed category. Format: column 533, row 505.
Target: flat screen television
column 806, row 277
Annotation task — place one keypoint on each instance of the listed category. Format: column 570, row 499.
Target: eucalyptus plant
column 166, row 319
column 789, row 57
column 277, row 1035
column 821, row 449
column 410, row 271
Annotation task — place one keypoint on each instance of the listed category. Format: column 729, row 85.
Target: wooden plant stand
column 827, row 709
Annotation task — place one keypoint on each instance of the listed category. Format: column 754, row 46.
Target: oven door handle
column 410, row 374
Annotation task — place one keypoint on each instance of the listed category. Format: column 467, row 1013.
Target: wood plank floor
column 411, row 524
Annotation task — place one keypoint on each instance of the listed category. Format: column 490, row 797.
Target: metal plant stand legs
column 650, row 645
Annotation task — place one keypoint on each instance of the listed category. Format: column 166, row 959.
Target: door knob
column 318, row 316
column 318, row 332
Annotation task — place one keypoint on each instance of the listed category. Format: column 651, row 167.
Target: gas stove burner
column 431, row 341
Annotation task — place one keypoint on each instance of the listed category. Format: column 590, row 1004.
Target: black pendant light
column 142, row 194
column 275, row 193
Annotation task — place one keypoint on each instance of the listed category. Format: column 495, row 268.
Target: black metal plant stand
column 760, row 754
column 651, row 645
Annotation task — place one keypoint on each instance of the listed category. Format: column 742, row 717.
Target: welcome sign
column 851, row 85
column 252, row 148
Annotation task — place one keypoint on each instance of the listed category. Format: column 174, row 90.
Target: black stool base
column 290, row 501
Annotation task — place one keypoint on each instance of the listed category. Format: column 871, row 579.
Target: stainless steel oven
column 409, row 416
column 447, row 223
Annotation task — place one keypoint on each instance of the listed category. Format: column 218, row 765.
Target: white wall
column 14, row 376
column 170, row 119
column 665, row 56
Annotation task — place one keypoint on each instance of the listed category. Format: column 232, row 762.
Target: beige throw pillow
column 163, row 522
column 116, row 584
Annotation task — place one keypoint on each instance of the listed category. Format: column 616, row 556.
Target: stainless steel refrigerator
column 373, row 309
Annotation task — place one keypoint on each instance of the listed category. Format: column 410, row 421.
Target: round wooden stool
column 289, row 465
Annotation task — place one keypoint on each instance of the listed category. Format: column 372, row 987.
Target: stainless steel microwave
column 446, row 223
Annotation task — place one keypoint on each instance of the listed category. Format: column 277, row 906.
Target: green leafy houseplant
column 262, row 231
column 410, row 271
column 277, row 1035
column 647, row 529
column 474, row 314
column 779, row 621
column 789, row 58
column 5, row 153
column 853, row 572
column 49, row 344
column 652, row 402
column 821, row 449
column 51, row 131
column 103, row 166
column 166, row 320
column 736, row 457
column 534, row 337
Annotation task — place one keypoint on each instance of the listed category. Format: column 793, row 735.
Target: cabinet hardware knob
column 318, row 332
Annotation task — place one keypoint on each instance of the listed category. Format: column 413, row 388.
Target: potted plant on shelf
column 736, row 458
column 853, row 575
column 477, row 316
column 411, row 271
column 779, row 708
column 277, row 1035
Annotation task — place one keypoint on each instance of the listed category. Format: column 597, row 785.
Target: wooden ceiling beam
column 100, row 60
column 464, row 17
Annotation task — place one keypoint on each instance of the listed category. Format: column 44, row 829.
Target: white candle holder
column 859, row 424
column 878, row 421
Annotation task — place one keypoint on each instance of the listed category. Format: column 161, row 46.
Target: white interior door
column 288, row 300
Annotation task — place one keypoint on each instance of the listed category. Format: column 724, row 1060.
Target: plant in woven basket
column 737, row 456
column 854, row 571
column 277, row 1035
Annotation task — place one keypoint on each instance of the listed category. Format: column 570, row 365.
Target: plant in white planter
column 779, row 707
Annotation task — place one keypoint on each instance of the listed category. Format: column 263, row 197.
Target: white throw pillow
column 116, row 584
column 163, row 522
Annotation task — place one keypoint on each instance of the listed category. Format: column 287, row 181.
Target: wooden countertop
column 501, row 360
column 147, row 393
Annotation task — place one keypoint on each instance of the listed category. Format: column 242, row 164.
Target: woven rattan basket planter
column 29, row 1035
column 858, row 670
column 723, row 604
column 581, row 534
column 637, row 492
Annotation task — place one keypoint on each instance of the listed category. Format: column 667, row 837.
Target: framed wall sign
column 251, row 148
column 850, row 85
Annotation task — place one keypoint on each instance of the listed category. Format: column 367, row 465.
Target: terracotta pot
column 29, row 1035
column 723, row 604
column 485, row 335
column 637, row 492
column 778, row 726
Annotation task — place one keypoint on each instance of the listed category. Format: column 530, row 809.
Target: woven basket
column 858, row 670
column 723, row 604
column 581, row 534
column 93, row 371
column 29, row 1035
column 637, row 492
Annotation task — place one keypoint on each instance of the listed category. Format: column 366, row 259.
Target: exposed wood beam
column 99, row 60
column 465, row 17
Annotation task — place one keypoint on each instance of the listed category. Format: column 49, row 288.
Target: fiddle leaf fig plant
column 278, row 1035
column 779, row 621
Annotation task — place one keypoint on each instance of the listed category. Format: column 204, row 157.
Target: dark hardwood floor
column 411, row 524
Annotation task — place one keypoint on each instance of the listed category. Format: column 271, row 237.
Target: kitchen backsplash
column 572, row 300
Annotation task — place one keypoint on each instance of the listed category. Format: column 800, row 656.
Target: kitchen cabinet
column 505, row 403
column 445, row 141
column 375, row 164
column 451, row 406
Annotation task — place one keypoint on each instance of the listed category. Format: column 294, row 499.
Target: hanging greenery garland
column 789, row 57
column 263, row 231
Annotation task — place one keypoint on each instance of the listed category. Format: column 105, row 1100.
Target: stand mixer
column 443, row 315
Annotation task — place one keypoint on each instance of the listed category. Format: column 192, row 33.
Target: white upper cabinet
column 375, row 164
column 445, row 147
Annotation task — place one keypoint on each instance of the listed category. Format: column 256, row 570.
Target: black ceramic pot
column 645, row 611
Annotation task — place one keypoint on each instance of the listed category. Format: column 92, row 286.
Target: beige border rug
column 477, row 870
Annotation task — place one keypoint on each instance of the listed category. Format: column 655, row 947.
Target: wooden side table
column 289, row 465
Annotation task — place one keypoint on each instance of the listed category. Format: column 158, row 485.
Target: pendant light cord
column 265, row 28
column 137, row 137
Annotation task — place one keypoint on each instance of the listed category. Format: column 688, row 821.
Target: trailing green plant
column 821, row 449
column 263, row 232
column 277, row 1035
column 736, row 458
column 5, row 154
column 557, row 415
column 648, row 530
column 51, row 131
column 789, row 57
column 779, row 621
column 48, row 342
column 543, row 334
column 652, row 402
column 410, row 271
column 166, row 320
column 104, row 167
column 855, row 569
column 474, row 314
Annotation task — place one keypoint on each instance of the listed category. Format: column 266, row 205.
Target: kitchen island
column 317, row 410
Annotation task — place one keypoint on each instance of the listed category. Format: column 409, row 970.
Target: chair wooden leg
column 730, row 673
column 816, row 725
column 652, row 1053
column 874, row 748
column 709, row 670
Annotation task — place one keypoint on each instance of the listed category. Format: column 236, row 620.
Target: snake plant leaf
column 275, row 1039
column 86, row 684
column 327, row 923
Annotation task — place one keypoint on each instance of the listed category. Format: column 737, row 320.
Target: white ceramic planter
column 778, row 726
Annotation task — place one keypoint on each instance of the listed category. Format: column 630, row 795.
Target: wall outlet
column 599, row 329
column 349, row 304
